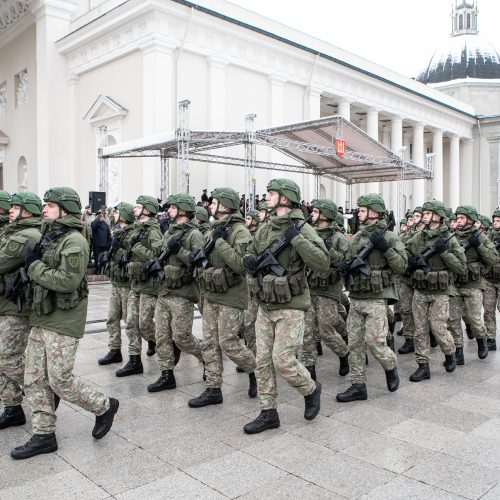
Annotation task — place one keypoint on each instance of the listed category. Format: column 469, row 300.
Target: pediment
column 103, row 110
column 4, row 140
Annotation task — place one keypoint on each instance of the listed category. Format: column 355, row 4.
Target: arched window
column 22, row 174
column 461, row 22
column 468, row 22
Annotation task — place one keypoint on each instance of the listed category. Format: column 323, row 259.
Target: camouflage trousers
column 431, row 310
column 249, row 319
column 455, row 321
column 469, row 304
column 406, row 301
column 491, row 304
column 397, row 305
column 220, row 335
column 279, row 337
column 116, row 312
column 50, row 358
column 174, row 321
column 321, row 319
column 14, row 331
column 367, row 327
column 140, row 320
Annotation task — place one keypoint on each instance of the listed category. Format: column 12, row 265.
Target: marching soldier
column 141, row 303
column 283, row 302
column 479, row 250
column 434, row 285
column 367, row 321
column 226, row 298
column 120, row 283
column 326, row 291
column 4, row 210
column 202, row 220
column 23, row 231
column 56, row 268
column 178, row 291
column 263, row 212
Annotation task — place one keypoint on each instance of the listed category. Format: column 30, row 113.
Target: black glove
column 441, row 246
column 379, row 242
column 31, row 255
column 328, row 244
column 473, row 240
column 343, row 267
column 250, row 264
column 412, row 264
column 146, row 266
column 115, row 244
column 220, row 232
column 174, row 245
column 190, row 257
column 291, row 231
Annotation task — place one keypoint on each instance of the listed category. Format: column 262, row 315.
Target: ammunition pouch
column 176, row 276
column 47, row 301
column 473, row 273
column 322, row 280
column 134, row 271
column 276, row 289
column 378, row 280
column 220, row 279
column 433, row 281
column 494, row 273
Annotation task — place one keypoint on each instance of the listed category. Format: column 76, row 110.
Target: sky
column 399, row 34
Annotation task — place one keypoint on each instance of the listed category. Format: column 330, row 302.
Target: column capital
column 344, row 100
column 157, row 42
column 278, row 80
column 73, row 79
column 437, row 132
column 59, row 9
column 217, row 62
column 372, row 110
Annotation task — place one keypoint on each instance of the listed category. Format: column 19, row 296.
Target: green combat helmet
column 29, row 201
column 469, row 211
column 263, row 206
column 484, row 220
column 66, row 197
column 201, row 214
column 228, row 197
column 404, row 220
column 4, row 200
column 435, row 206
column 496, row 213
column 327, row 207
column 182, row 201
column 254, row 214
column 126, row 212
column 373, row 201
column 453, row 216
column 418, row 209
column 148, row 202
column 339, row 219
column 287, row 188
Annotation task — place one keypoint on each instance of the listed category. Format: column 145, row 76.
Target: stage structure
column 331, row 147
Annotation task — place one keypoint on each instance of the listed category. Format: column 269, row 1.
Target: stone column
column 344, row 109
column 396, row 143
column 73, row 119
column 419, row 159
column 437, row 149
column 466, row 172
column 372, row 131
column 313, row 112
column 454, row 178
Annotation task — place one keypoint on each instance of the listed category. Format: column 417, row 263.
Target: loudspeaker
column 96, row 200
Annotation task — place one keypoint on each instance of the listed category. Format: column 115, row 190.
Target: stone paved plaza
column 438, row 439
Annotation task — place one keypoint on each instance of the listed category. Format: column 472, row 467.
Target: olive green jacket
column 62, row 270
column 204, row 228
column 492, row 273
column 337, row 252
column 228, row 253
column 306, row 249
column 393, row 261
column 192, row 240
column 404, row 237
column 124, row 235
column 146, row 249
column 485, row 254
column 452, row 260
column 19, row 235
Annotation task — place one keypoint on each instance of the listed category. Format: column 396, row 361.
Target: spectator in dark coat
column 101, row 238
column 204, row 196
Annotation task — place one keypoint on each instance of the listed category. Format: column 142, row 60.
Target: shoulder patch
column 71, row 260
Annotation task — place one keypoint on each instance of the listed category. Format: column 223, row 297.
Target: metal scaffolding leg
column 348, row 196
column 103, row 162
column 250, row 154
column 183, row 136
column 317, row 186
column 164, row 177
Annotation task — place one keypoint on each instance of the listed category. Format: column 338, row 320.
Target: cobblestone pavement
column 438, row 439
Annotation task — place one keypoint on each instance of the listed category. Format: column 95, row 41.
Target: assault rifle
column 106, row 257
column 466, row 244
column 200, row 258
column 267, row 259
column 497, row 244
column 358, row 262
column 126, row 256
column 154, row 268
column 325, row 239
column 430, row 251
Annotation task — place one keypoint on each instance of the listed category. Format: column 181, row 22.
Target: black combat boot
column 133, row 366
column 57, row 400
column 468, row 331
column 312, row 370
column 113, row 356
column 357, row 392
column 211, row 396
column 177, row 353
column 239, row 369
column 313, row 403
column 319, row 348
column 407, row 347
column 433, row 340
column 400, row 331
column 450, row 363
column 422, row 373
column 104, row 422
column 37, row 444
column 482, row 348
column 397, row 317
column 459, row 355
column 492, row 344
column 151, row 348
column 267, row 419
column 252, row 388
column 390, row 343
column 344, row 365
column 165, row 382
column 392, row 379
column 12, row 416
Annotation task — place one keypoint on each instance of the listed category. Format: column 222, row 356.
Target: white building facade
column 70, row 67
